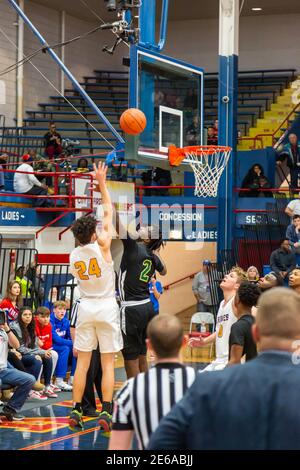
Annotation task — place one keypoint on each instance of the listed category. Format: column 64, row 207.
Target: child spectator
column 12, row 301
column 43, row 329
column 62, row 344
column 253, row 274
column 155, row 289
column 34, row 358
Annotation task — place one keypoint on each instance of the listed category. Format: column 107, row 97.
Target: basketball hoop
column 207, row 162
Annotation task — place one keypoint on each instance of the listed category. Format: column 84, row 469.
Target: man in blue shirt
column 252, row 406
column 155, row 289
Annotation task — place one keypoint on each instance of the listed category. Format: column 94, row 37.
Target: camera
column 68, row 146
column 2, row 317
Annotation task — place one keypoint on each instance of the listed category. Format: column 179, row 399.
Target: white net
column 208, row 164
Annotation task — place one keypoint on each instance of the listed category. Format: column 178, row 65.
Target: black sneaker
column 10, row 414
column 75, row 421
column 105, row 421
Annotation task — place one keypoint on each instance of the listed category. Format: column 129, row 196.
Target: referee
column 146, row 398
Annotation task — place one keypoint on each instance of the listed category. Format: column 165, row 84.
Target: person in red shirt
column 12, row 301
column 43, row 330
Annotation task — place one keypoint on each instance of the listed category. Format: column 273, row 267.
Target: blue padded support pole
column 163, row 25
column 228, row 92
column 75, row 83
column 147, row 24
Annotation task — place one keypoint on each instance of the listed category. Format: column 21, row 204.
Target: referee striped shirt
column 145, row 399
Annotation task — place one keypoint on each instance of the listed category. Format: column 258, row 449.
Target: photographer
column 10, row 376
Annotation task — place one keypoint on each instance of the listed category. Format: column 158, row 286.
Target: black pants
column 39, row 202
column 15, row 361
column 94, row 377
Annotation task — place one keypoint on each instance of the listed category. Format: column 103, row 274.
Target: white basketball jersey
column 95, row 276
column 225, row 319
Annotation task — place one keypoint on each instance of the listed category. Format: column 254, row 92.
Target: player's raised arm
column 100, row 177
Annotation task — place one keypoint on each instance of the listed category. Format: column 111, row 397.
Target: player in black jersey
column 139, row 263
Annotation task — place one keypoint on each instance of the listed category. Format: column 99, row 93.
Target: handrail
column 190, row 276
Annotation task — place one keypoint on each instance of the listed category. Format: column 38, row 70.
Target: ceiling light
column 256, row 9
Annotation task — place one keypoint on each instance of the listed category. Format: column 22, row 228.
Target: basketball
column 133, row 121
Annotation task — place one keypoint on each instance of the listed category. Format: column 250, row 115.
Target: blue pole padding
column 163, row 24
column 75, row 83
column 147, row 23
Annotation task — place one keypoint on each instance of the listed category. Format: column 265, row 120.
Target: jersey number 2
column 147, row 268
column 93, row 269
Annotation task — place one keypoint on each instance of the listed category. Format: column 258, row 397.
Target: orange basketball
column 133, row 121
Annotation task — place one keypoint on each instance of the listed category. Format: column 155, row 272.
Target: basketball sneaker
column 49, row 392
column 10, row 414
column 75, row 421
column 105, row 421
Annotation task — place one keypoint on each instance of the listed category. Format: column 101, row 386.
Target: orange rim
column 176, row 155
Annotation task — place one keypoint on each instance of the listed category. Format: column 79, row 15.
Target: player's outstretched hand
column 100, row 174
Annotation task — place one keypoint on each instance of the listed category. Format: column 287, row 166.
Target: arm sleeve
column 237, row 334
column 122, row 409
column 158, row 264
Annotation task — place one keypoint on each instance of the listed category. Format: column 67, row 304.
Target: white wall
column 8, row 57
column 265, row 42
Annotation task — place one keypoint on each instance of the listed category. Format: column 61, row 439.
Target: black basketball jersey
column 138, row 265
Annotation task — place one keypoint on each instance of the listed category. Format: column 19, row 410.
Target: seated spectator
column 257, row 182
column 43, row 330
column 157, row 177
column 293, row 207
column 53, row 147
column 264, row 414
column 201, row 289
column 42, row 165
column 156, row 387
column 282, row 260
column 34, row 358
column 82, row 166
column 293, row 234
column 193, row 132
column 291, row 153
column 253, row 274
column 3, row 161
column 12, row 301
column 26, row 183
column 11, row 376
column 241, row 342
column 62, row 344
column 212, row 136
column 270, row 280
column 294, row 280
column 155, row 290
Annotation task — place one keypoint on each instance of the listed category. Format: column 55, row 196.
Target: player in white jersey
column 98, row 318
column 225, row 319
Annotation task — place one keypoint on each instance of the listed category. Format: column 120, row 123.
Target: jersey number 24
column 85, row 272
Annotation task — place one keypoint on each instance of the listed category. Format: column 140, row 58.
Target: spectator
column 193, row 132
column 155, row 289
column 43, row 330
column 212, row 136
column 264, row 414
column 3, row 161
column 293, row 207
column 34, row 358
column 53, row 148
column 253, row 274
column 12, row 301
column 256, row 181
column 37, row 281
column 52, row 297
column 291, row 152
column 241, row 342
column 62, row 344
column 157, row 177
column 11, row 376
column 293, row 234
column 82, row 166
column 294, row 280
column 25, row 285
column 282, row 260
column 201, row 289
column 41, row 165
column 26, row 183
column 146, row 398
column 269, row 281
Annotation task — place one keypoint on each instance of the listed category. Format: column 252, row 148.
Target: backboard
column 170, row 93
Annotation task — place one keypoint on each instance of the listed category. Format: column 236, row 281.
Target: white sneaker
column 55, row 388
column 36, row 396
column 64, row 386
